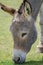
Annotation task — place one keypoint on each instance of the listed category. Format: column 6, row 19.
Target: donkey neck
column 36, row 4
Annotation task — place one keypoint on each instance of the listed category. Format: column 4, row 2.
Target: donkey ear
column 21, row 8
column 7, row 9
column 25, row 8
column 28, row 8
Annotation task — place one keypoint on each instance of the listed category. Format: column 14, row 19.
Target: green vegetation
column 6, row 41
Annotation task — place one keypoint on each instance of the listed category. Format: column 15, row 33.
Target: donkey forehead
column 20, row 21
column 21, row 17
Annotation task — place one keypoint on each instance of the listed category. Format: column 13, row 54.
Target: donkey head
column 24, row 33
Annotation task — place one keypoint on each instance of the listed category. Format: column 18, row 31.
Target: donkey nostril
column 18, row 59
column 23, row 34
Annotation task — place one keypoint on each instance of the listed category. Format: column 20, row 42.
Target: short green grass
column 6, row 41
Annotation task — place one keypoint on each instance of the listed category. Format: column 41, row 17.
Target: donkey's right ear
column 7, row 9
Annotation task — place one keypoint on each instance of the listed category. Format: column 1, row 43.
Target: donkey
column 23, row 27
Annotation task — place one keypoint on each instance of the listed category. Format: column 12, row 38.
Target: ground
column 6, row 41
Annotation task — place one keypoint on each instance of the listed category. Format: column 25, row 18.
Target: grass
column 6, row 41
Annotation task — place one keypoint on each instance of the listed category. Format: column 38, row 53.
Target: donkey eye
column 23, row 34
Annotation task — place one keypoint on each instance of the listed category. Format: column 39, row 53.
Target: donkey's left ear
column 25, row 8
column 7, row 9
column 28, row 8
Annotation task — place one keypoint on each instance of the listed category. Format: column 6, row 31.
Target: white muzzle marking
column 18, row 53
